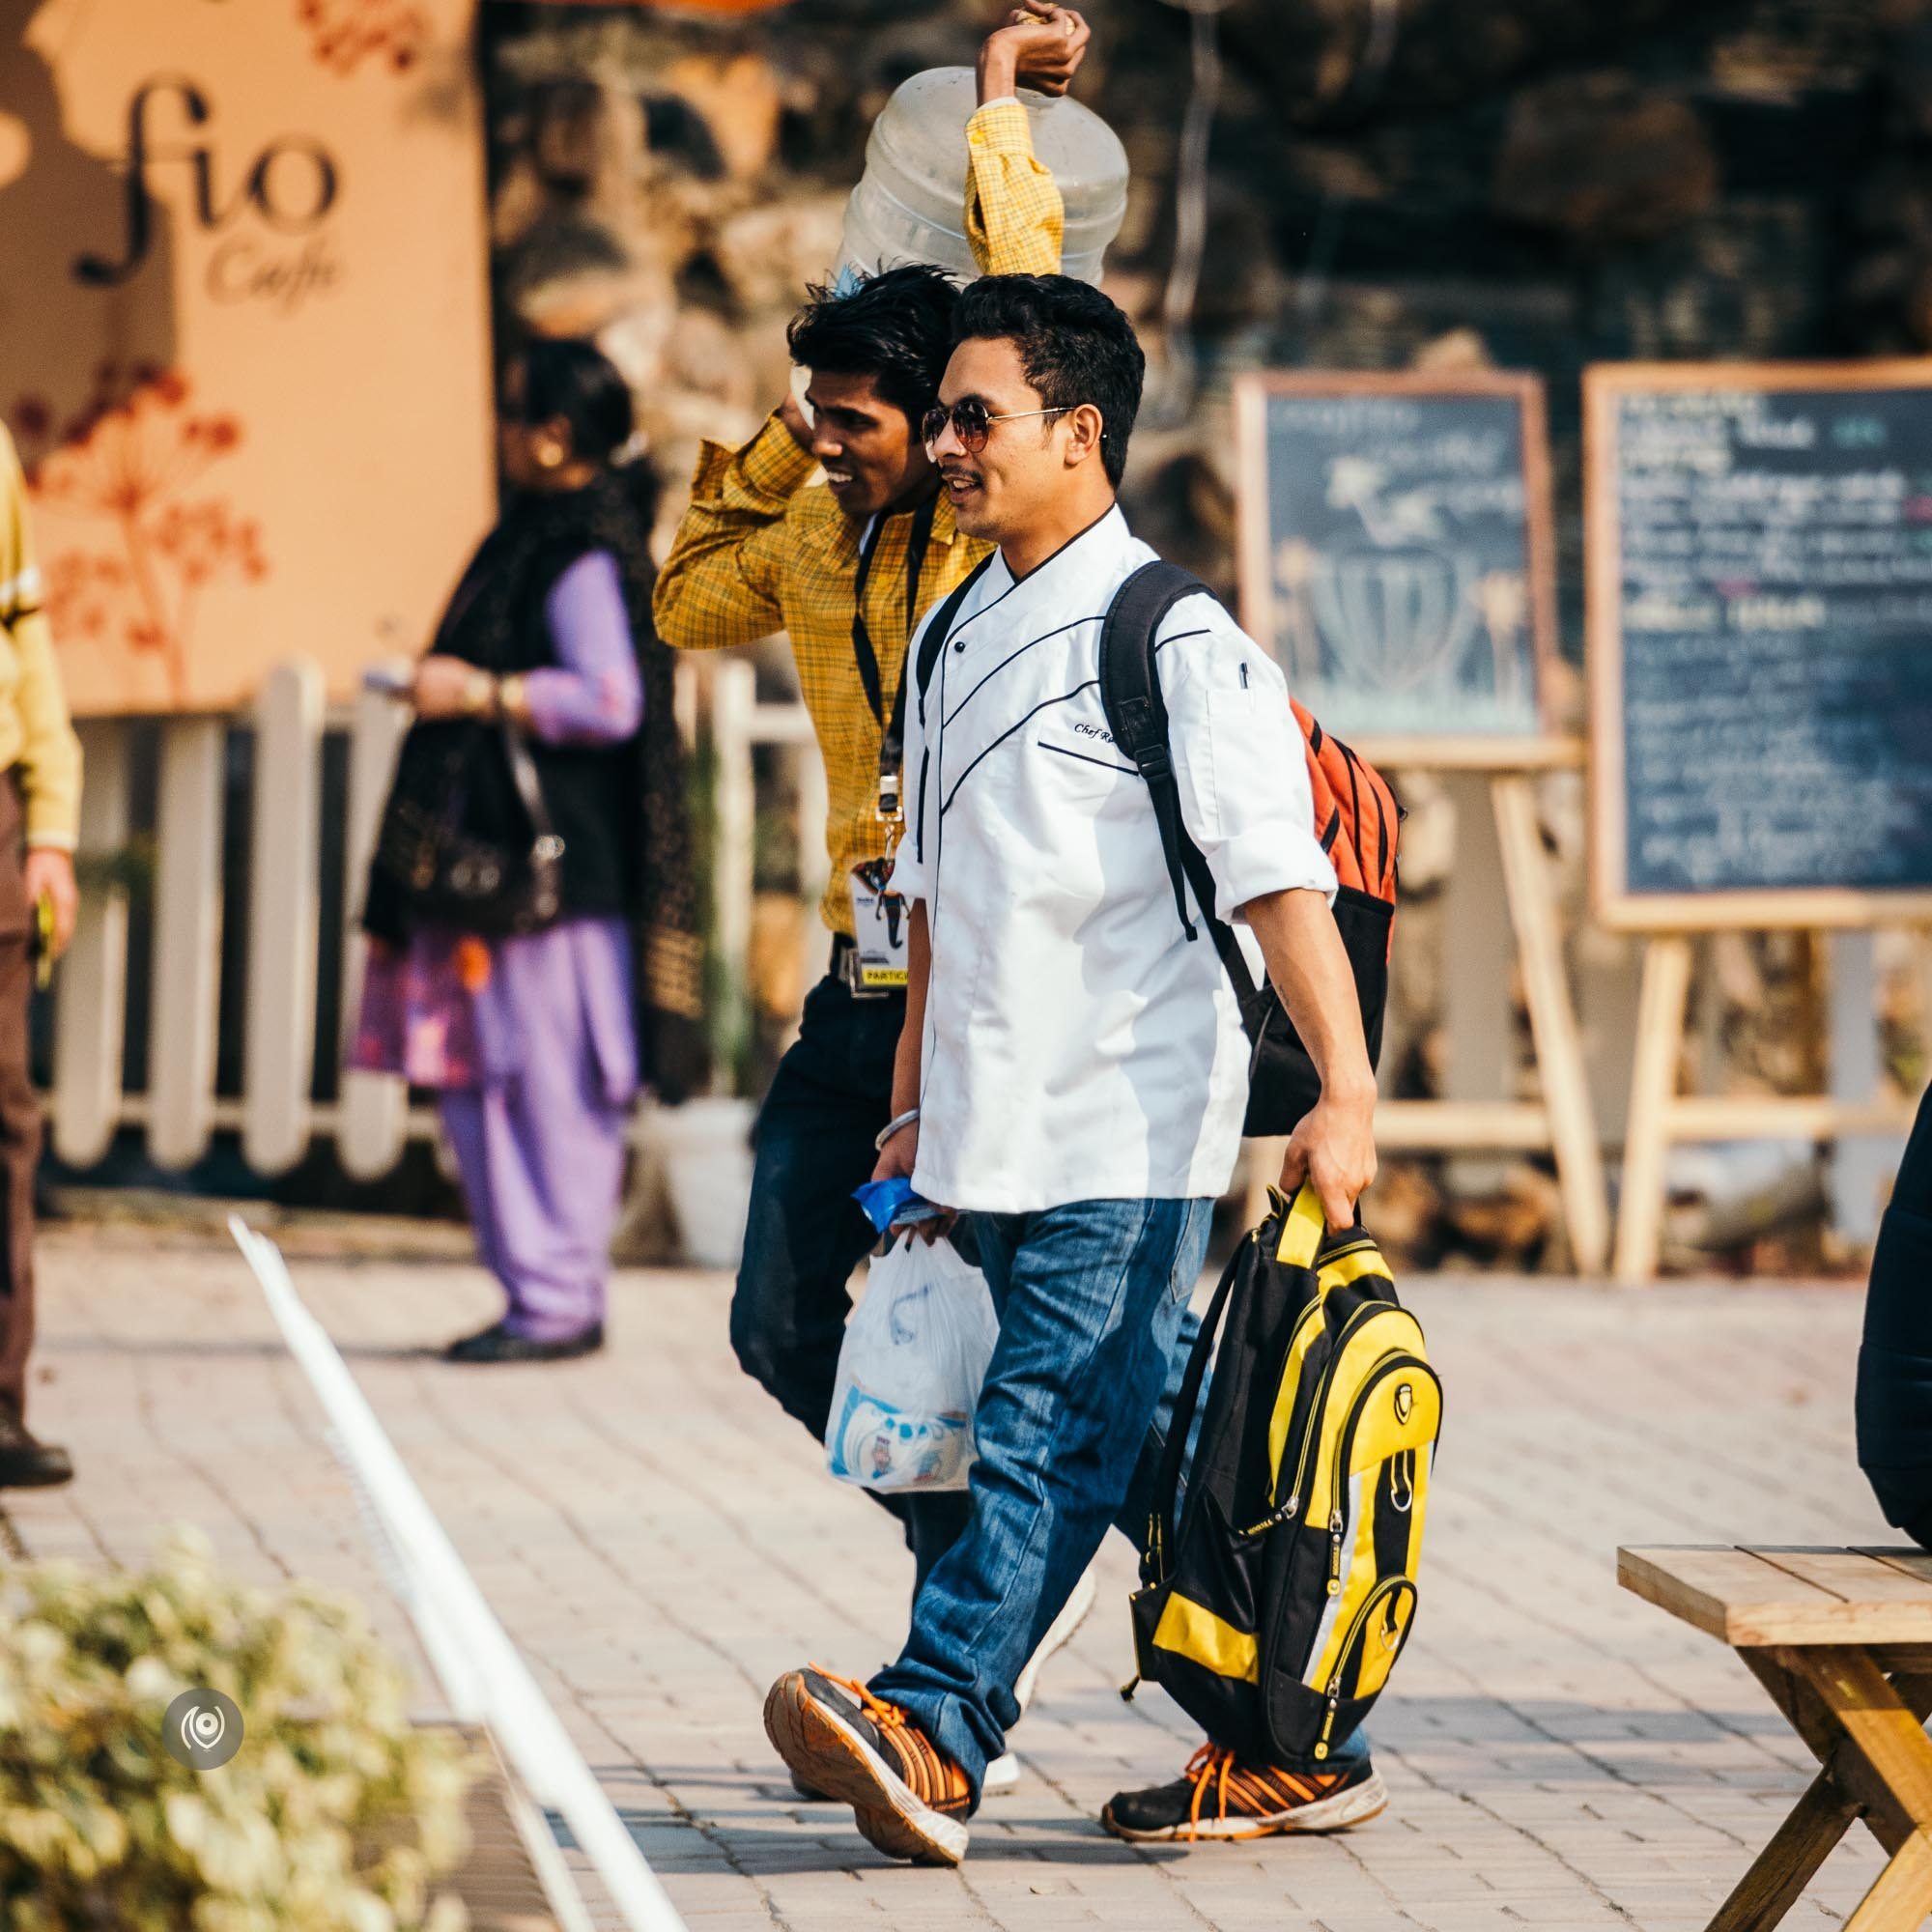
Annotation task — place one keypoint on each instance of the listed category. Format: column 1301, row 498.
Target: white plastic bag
column 909, row 1372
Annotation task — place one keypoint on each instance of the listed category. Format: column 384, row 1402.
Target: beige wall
column 243, row 331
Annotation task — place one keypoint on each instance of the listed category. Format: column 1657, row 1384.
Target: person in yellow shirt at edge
column 40, row 821
column 848, row 570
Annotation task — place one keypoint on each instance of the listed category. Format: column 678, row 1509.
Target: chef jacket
column 1077, row 1045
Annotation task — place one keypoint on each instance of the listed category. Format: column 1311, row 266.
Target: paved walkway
column 662, row 1541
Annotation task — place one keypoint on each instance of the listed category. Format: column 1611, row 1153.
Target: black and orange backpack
column 1356, row 815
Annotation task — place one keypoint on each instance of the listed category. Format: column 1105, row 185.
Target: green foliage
column 336, row 1815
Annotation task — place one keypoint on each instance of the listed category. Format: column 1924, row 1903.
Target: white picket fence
column 276, row 1113
column 371, row 1123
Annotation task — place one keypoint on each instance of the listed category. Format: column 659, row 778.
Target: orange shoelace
column 888, row 1717
column 1255, row 1791
column 1212, row 1765
column 922, row 1767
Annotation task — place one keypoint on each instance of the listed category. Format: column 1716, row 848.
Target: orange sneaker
column 909, row 1798
column 1218, row 1797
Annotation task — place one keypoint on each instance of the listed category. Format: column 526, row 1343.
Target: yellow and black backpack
column 1276, row 1610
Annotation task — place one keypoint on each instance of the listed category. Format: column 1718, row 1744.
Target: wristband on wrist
column 895, row 1125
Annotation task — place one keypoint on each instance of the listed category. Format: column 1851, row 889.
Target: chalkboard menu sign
column 1396, row 557
column 1760, row 586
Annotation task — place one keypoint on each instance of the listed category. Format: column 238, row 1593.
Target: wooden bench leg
column 1885, row 1757
column 1809, row 1715
column 1777, row 1881
column 1869, row 1736
column 1902, row 1897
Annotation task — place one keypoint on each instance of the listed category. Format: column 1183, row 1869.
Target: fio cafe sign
column 243, row 332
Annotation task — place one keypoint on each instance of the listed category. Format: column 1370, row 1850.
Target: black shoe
column 1218, row 1797
column 495, row 1344
column 28, row 1464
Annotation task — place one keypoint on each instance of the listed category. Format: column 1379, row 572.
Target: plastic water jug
column 910, row 206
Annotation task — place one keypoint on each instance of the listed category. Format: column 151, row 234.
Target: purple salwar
column 531, row 1041
column 541, row 1149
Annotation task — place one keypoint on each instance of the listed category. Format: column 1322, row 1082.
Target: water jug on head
column 910, row 206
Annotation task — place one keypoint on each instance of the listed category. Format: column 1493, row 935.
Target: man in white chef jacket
column 1073, row 1072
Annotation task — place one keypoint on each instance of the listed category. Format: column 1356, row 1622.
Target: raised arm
column 1014, row 217
column 720, row 583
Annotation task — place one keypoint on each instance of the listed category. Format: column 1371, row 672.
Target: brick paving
column 662, row 1541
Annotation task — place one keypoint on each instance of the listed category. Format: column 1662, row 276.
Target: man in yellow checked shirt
column 847, row 569
column 40, row 817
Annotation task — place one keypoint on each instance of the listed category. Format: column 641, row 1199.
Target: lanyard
column 891, row 741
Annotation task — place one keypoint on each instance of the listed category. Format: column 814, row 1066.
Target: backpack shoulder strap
column 1137, row 716
column 1136, row 711
column 939, row 628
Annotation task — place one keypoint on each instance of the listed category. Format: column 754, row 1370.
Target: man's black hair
column 897, row 329
column 574, row 379
column 1076, row 346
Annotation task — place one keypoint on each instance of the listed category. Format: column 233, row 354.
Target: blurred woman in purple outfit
column 527, row 1026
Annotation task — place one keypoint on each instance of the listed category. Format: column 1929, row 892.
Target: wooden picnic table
column 1842, row 1641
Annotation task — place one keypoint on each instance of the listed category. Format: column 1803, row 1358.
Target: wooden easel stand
column 1563, row 1120
column 1659, row 1116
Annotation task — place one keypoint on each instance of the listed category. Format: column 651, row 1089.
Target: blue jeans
column 832, row 1091
column 1094, row 1336
column 1092, row 1298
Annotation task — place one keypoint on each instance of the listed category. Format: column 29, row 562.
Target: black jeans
column 831, row 1094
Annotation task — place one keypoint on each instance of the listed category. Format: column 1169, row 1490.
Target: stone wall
column 1549, row 182
column 1540, row 183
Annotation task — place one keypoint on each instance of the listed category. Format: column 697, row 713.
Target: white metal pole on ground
column 453, row 1615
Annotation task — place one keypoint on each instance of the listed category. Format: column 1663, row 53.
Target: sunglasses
column 972, row 424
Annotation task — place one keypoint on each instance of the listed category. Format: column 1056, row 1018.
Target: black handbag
column 449, row 876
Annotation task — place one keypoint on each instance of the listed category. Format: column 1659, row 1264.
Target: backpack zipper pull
column 1128, row 1688
column 1274, row 1518
column 1335, row 1552
column 1329, row 1722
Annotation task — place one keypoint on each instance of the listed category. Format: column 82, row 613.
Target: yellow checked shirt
column 35, row 737
column 757, row 552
